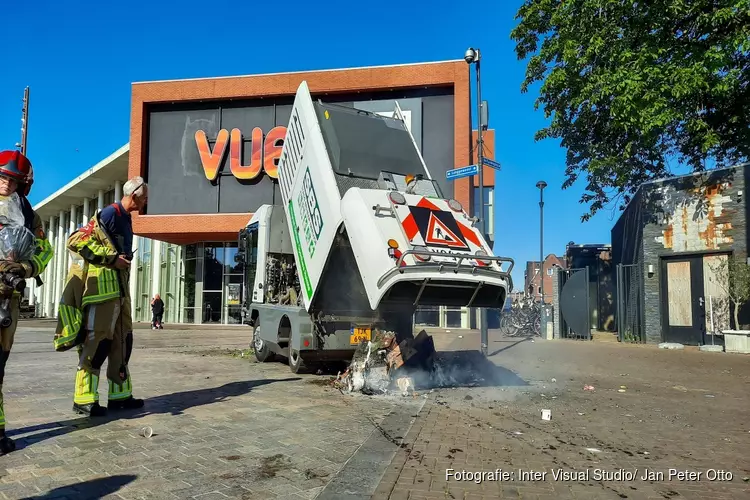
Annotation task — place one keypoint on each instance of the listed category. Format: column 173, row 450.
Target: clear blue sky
column 80, row 61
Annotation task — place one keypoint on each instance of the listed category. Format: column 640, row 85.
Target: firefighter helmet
column 16, row 166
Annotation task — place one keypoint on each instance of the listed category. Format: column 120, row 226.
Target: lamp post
column 541, row 185
column 473, row 56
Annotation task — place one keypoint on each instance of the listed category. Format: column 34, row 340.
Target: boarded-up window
column 679, row 294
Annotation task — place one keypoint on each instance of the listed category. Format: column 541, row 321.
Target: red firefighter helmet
column 16, row 166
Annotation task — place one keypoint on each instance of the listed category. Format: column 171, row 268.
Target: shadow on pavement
column 467, row 369
column 95, row 488
column 173, row 404
column 514, row 344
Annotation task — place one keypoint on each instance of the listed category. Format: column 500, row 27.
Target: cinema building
column 187, row 237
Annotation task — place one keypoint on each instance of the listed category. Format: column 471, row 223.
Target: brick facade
column 454, row 74
column 532, row 278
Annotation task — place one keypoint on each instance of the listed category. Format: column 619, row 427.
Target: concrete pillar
column 118, row 190
column 31, row 285
column 61, row 260
column 86, row 211
column 71, row 227
column 100, row 202
column 134, row 297
column 156, row 268
column 49, row 278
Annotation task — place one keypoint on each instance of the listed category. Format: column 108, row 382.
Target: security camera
column 470, row 56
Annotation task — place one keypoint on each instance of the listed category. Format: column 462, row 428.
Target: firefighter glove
column 20, row 269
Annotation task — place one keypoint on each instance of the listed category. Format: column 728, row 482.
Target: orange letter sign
column 240, row 171
column 211, row 161
column 272, row 149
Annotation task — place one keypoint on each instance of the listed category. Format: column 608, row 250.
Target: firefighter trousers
column 109, row 335
column 6, row 343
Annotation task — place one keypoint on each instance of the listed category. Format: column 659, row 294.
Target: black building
column 666, row 247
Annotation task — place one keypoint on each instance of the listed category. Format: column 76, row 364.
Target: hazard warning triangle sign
column 439, row 234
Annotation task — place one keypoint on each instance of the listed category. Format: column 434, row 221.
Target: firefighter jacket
column 92, row 279
column 43, row 249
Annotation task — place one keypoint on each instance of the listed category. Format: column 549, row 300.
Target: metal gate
column 630, row 303
column 575, row 309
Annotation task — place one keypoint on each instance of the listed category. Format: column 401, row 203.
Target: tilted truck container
column 361, row 236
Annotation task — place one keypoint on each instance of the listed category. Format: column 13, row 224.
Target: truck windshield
column 362, row 144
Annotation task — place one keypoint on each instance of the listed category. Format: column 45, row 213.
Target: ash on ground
column 383, row 366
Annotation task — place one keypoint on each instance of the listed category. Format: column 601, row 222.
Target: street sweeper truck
column 359, row 236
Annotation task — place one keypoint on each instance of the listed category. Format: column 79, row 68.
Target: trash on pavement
column 588, row 387
column 546, row 415
column 147, row 432
column 593, row 450
column 381, row 362
column 554, row 380
column 671, row 345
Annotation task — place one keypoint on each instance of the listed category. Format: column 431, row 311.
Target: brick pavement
column 228, row 428
column 681, row 410
column 223, row 427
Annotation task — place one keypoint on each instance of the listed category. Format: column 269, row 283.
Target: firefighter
column 105, row 245
column 17, row 176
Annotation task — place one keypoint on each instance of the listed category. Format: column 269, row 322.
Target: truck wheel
column 262, row 352
column 297, row 365
column 295, row 362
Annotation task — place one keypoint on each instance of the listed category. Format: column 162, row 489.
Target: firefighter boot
column 86, row 398
column 121, row 396
column 6, row 444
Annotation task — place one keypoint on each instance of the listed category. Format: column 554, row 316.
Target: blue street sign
column 457, row 173
column 491, row 163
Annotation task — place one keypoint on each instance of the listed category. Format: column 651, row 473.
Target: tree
column 632, row 84
column 733, row 275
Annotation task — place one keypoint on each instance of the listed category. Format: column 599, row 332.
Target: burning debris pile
column 382, row 366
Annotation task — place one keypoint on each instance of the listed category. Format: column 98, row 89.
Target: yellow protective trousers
column 6, row 343
column 109, row 335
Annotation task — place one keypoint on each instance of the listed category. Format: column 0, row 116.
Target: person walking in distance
column 106, row 317
column 16, row 178
column 157, row 312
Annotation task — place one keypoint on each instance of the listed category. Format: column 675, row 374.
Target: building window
column 190, row 270
column 550, row 271
column 488, row 212
column 233, row 274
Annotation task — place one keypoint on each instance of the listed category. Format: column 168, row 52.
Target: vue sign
column 264, row 156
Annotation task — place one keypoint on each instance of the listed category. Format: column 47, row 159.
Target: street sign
column 491, row 163
column 457, row 173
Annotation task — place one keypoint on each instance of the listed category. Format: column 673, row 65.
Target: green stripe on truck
column 300, row 256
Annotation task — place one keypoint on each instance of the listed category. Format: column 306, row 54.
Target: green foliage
column 630, row 84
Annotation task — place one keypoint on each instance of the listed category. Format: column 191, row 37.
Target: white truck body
column 365, row 232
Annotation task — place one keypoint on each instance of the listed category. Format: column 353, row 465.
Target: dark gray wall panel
column 175, row 177
column 237, row 197
column 283, row 113
column 438, row 139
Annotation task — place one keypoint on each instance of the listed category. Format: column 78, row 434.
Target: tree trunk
column 736, row 316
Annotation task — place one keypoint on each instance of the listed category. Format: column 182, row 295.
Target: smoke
column 376, row 369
